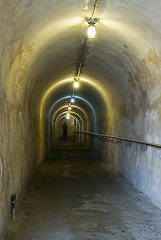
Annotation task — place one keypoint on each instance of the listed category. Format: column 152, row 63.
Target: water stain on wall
column 29, row 3
column 152, row 64
column 23, row 60
column 153, row 57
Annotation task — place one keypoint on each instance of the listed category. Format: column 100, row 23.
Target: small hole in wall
column 125, row 46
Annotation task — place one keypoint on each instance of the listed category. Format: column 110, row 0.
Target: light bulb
column 67, row 117
column 92, row 31
column 72, row 100
column 68, row 114
column 76, row 84
column 69, row 108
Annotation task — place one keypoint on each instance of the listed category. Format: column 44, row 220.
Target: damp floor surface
column 75, row 198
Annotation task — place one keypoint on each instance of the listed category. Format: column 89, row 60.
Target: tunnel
column 115, row 116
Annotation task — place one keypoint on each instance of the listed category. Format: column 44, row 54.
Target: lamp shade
column 91, row 31
column 76, row 84
column 72, row 100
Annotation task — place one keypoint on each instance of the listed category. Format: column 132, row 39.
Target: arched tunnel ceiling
column 45, row 39
column 88, row 91
column 80, row 106
column 75, row 109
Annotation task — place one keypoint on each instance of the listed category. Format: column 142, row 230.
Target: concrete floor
column 76, row 199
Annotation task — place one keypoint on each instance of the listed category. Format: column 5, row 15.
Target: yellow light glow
column 69, row 108
column 92, row 31
column 76, row 84
column 68, row 114
column 130, row 34
column 52, row 30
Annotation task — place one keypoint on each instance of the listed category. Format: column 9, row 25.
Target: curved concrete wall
column 39, row 47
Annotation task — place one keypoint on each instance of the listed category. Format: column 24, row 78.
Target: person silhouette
column 65, row 129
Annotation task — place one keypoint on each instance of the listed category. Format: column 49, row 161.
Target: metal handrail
column 128, row 140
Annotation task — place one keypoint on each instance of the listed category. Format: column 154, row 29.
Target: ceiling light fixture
column 76, row 82
column 91, row 28
column 69, row 106
column 68, row 115
column 72, row 99
column 92, row 22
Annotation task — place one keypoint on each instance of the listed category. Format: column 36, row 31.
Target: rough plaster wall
column 18, row 157
column 139, row 118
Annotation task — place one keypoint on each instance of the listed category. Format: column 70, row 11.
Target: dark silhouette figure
column 65, row 130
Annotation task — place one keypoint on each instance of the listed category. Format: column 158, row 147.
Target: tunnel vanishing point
column 44, row 49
